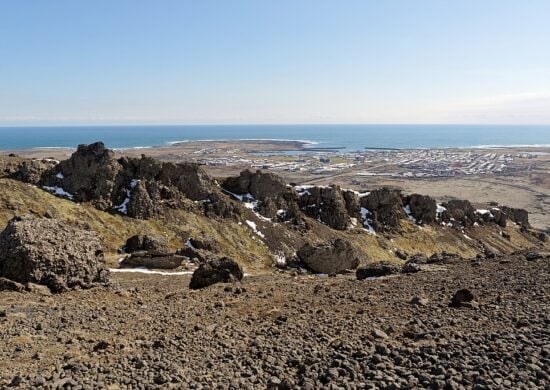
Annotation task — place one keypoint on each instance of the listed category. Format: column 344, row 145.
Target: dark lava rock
column 219, row 270
column 51, row 252
column 138, row 187
column 148, row 261
column 460, row 297
column 327, row 205
column 90, row 174
column 10, row 285
column 155, row 245
column 261, row 185
column 376, row 270
column 333, row 258
column 31, row 171
column 204, row 242
column 532, row 256
column 423, row 208
column 519, row 216
column 218, row 205
column 386, row 207
column 460, row 211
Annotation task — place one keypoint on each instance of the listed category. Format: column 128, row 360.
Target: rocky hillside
column 255, row 218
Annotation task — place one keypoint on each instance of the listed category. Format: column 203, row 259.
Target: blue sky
column 279, row 61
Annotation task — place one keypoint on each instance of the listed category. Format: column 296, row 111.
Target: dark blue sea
column 342, row 137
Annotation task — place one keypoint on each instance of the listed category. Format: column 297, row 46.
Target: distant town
column 421, row 163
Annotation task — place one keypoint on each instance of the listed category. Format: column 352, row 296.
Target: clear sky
column 274, row 61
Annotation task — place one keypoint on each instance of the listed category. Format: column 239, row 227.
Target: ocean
column 339, row 137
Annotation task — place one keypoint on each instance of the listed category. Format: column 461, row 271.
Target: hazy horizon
column 275, row 62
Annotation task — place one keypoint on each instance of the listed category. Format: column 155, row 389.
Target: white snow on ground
column 360, row 194
column 281, row 213
column 123, row 207
column 468, row 238
column 254, row 228
column 303, row 190
column 188, row 244
column 280, row 258
column 143, row 270
column 365, row 218
column 58, row 191
column 440, row 210
column 483, row 212
column 60, row 175
column 407, row 209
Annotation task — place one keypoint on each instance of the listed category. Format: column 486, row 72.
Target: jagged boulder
column 220, row 206
column 460, row 211
column 31, row 171
column 142, row 201
column 204, row 242
column 385, row 207
column 422, row 208
column 218, row 270
column 519, row 216
column 261, row 185
column 353, row 203
column 376, row 270
column 90, row 175
column 327, row 205
column 51, row 252
column 333, row 258
column 148, row 243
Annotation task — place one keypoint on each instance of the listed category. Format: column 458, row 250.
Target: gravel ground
column 282, row 331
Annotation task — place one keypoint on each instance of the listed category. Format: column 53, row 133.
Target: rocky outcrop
column 325, row 204
column 385, row 207
column 422, row 208
column 460, row 211
column 519, row 216
column 205, row 242
column 31, row 171
column 138, row 187
column 261, row 185
column 333, row 258
column 219, row 270
column 376, row 270
column 52, row 253
column 150, row 244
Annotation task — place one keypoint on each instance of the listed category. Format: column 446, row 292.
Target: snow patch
column 60, row 175
column 254, row 228
column 58, row 191
column 143, row 270
column 365, row 213
column 123, row 207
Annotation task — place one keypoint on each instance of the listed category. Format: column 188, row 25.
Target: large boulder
column 327, row 205
column 333, row 258
column 151, row 244
column 90, row 175
column 376, row 270
column 460, row 211
column 422, row 208
column 147, row 260
column 50, row 252
column 385, row 206
column 31, row 171
column 218, row 270
column 519, row 216
column 261, row 185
